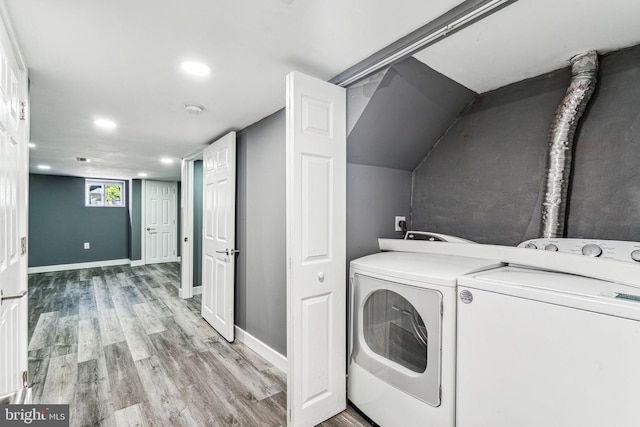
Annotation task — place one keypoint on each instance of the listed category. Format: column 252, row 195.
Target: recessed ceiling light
column 195, row 68
column 142, row 174
column 193, row 108
column 32, row 145
column 104, row 123
column 44, row 167
column 166, row 160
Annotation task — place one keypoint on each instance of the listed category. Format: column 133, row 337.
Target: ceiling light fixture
column 32, row 145
column 193, row 108
column 44, row 167
column 104, row 123
column 195, row 68
column 166, row 160
column 142, row 174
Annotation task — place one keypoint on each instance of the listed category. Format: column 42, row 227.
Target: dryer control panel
column 612, row 249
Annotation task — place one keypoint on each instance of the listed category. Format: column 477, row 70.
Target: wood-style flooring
column 122, row 349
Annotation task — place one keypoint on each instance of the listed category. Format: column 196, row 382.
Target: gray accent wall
column 59, row 224
column 483, row 179
column 261, row 232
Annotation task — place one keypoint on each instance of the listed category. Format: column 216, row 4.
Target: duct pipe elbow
column 584, row 70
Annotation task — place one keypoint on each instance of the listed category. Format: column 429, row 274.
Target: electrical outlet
column 398, row 227
column 87, row 245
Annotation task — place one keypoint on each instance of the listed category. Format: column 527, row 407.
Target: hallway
column 119, row 346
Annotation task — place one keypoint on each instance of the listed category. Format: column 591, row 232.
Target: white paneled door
column 316, row 236
column 219, row 234
column 160, row 221
column 13, row 217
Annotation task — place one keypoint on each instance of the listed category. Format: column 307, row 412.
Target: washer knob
column 551, row 247
column 635, row 255
column 531, row 246
column 592, row 250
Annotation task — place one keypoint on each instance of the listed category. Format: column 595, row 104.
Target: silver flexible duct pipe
column 584, row 70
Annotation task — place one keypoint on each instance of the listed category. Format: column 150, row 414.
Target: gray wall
column 483, row 180
column 197, row 222
column 261, row 231
column 375, row 196
column 59, row 224
column 394, row 118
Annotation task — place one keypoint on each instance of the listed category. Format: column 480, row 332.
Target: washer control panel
column 612, row 249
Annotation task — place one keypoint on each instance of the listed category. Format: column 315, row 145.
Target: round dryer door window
column 396, row 335
column 393, row 329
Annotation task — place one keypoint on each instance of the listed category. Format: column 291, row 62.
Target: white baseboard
column 272, row 356
column 77, row 266
column 197, row 290
column 137, row 263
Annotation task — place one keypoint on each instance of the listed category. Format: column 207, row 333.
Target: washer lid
column 432, row 268
column 559, row 288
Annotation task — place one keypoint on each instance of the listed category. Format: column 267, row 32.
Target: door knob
column 150, row 228
column 321, row 277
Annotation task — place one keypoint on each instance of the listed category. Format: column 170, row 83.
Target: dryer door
column 397, row 335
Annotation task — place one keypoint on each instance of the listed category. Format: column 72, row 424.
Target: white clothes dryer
column 402, row 335
column 538, row 347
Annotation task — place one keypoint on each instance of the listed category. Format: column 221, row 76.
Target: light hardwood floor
column 122, row 349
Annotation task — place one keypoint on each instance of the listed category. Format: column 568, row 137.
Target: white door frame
column 19, row 283
column 143, row 220
column 186, row 204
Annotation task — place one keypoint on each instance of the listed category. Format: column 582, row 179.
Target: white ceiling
column 532, row 37
column 119, row 59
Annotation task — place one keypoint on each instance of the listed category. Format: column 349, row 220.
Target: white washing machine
column 402, row 334
column 543, row 348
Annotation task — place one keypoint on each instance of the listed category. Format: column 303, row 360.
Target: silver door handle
column 229, row 251
column 150, row 228
column 13, row 296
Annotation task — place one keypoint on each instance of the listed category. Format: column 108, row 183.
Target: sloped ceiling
column 411, row 107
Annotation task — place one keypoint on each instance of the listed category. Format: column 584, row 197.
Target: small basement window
column 103, row 193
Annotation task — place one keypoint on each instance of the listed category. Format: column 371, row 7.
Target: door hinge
column 23, row 110
column 23, row 245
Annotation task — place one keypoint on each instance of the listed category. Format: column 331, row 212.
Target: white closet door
column 316, row 234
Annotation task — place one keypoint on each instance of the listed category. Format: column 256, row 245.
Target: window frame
column 90, row 182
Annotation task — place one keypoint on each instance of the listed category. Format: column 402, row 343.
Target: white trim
column 77, row 266
column 196, row 290
column 263, row 350
column 186, row 240
column 137, row 263
column 143, row 221
column 13, row 38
